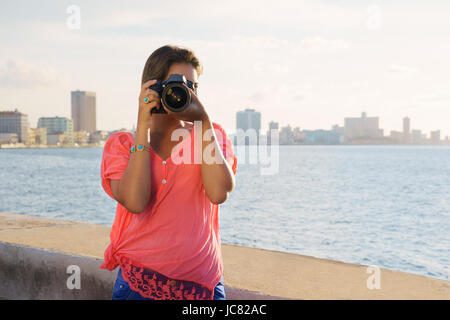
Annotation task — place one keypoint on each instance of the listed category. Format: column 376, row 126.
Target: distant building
column 7, row 138
column 363, row 128
column 272, row 126
column 56, row 124
column 321, row 137
column 80, row 137
column 397, row 137
column 37, row 136
column 31, row 136
column 435, row 137
column 57, row 138
column 406, row 130
column 417, row 137
column 249, row 119
column 339, row 131
column 286, row 135
column 446, row 141
column 84, row 111
column 59, row 129
column 297, row 135
column 15, row 122
column 98, row 136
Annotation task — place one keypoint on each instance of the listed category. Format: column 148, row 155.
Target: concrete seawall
column 35, row 254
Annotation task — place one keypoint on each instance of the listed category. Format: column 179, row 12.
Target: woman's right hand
column 154, row 100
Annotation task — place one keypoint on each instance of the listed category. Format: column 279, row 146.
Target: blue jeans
column 122, row 290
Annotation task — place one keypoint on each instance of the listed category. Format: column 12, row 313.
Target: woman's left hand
column 195, row 112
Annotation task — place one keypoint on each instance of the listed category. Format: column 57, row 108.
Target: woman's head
column 163, row 61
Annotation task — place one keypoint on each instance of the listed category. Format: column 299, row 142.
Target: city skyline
column 359, row 130
column 314, row 61
column 15, row 127
column 367, row 128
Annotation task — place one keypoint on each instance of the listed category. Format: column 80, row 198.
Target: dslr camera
column 174, row 93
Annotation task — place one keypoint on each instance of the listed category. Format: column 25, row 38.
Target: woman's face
column 183, row 68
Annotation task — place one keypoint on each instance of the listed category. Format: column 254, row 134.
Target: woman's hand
column 195, row 112
column 145, row 107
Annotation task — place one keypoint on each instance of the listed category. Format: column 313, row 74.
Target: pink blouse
column 177, row 235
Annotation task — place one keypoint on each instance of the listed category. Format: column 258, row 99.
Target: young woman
column 165, row 237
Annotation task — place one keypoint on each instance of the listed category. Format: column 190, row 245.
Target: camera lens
column 176, row 98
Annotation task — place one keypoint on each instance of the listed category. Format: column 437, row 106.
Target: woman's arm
column 217, row 175
column 133, row 190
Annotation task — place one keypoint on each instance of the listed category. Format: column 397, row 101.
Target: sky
column 309, row 64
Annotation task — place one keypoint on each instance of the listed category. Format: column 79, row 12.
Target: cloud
column 257, row 97
column 126, row 19
column 270, row 68
column 401, row 71
column 320, row 45
column 260, row 42
column 18, row 74
column 299, row 97
column 311, row 15
column 311, row 44
column 435, row 97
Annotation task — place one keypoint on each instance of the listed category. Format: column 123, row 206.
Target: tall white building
column 249, row 119
column 84, row 111
column 406, row 130
column 273, row 126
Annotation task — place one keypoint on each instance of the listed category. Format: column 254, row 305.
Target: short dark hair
column 159, row 62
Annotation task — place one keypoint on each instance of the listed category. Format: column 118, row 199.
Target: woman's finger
column 150, row 97
column 153, row 102
column 150, row 92
column 147, row 107
column 148, row 84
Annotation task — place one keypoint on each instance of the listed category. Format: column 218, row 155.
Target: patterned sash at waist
column 154, row 285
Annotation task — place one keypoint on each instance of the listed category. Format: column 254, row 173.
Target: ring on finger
column 147, row 100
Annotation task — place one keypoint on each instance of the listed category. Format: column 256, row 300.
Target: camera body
column 174, row 93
